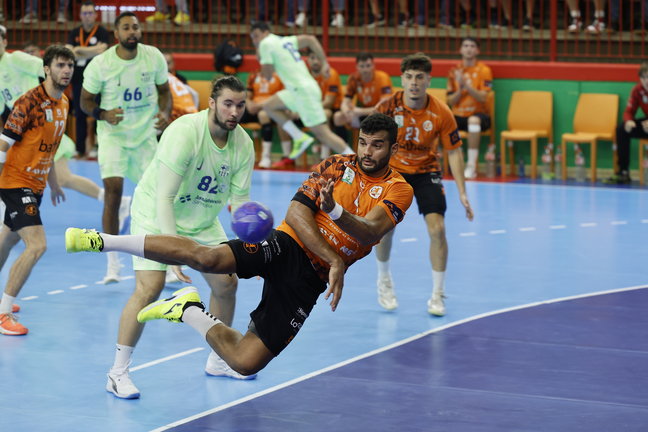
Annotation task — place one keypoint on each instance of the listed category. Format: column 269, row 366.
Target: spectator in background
column 632, row 126
column 368, row 87
column 597, row 26
column 302, row 16
column 162, row 14
column 31, row 48
column 184, row 99
column 377, row 19
column 86, row 41
column 31, row 12
column 468, row 86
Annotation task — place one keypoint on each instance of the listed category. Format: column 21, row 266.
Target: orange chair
column 204, row 89
column 643, row 147
column 255, row 128
column 530, row 116
column 595, row 119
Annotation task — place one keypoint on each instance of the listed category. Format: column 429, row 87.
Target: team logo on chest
column 428, row 126
column 375, row 192
column 399, row 120
column 224, row 170
column 348, row 176
column 48, row 115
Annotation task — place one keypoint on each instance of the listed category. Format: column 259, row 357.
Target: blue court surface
column 545, row 329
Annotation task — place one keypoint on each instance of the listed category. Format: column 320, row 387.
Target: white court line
column 409, row 240
column 76, row 287
column 468, row 234
column 55, row 292
column 29, row 298
column 386, row 348
column 588, row 224
column 165, row 359
column 619, row 223
column 556, row 227
column 526, row 229
column 499, row 231
column 644, row 220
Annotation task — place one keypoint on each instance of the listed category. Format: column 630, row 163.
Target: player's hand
column 336, row 283
column 326, row 195
column 58, row 196
column 162, row 121
column 177, row 270
column 629, row 125
column 113, row 116
column 469, row 212
column 459, row 78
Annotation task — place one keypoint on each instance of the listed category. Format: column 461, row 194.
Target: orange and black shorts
column 23, row 208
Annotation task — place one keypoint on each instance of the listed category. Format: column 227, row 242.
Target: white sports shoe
column 124, row 212
column 338, row 20
column 114, row 268
column 265, row 162
column 217, row 367
column 435, row 305
column 470, row 172
column 386, row 296
column 120, row 384
column 301, row 20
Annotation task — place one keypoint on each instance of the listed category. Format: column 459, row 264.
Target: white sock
column 438, row 282
column 6, row 303
column 286, row 148
column 132, row 244
column 383, row 269
column 325, row 151
column 293, row 130
column 473, row 154
column 575, row 14
column 266, row 148
column 201, row 320
column 101, row 195
column 123, row 354
column 600, row 14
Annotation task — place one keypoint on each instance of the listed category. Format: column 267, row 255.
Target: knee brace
column 474, row 128
column 266, row 132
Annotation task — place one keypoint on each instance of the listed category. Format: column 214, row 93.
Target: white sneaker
column 61, row 18
column 120, row 384
column 171, row 277
column 124, row 212
column 470, row 172
column 575, row 25
column 597, row 27
column 435, row 305
column 301, row 20
column 265, row 162
column 217, row 367
column 386, row 295
column 114, row 269
column 338, row 20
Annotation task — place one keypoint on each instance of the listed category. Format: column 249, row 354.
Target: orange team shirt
column 368, row 94
column 418, row 131
column 261, row 88
column 358, row 193
column 331, row 86
column 36, row 125
column 183, row 102
column 480, row 78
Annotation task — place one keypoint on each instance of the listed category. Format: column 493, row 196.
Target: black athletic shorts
column 462, row 122
column 23, row 208
column 290, row 289
column 428, row 191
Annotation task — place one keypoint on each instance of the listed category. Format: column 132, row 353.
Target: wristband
column 96, row 113
column 336, row 213
column 3, row 156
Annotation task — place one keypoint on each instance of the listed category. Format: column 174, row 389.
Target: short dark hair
column 124, row 15
column 643, row 68
column 56, row 51
column 227, row 81
column 89, row 3
column 364, row 56
column 30, row 43
column 471, row 39
column 260, row 25
column 380, row 122
column 417, row 62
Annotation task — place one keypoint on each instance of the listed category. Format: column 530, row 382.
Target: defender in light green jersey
column 204, row 160
column 302, row 94
column 135, row 101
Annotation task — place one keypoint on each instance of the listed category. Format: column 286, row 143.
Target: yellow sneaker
column 171, row 308
column 182, row 19
column 158, row 17
column 82, row 240
column 301, row 145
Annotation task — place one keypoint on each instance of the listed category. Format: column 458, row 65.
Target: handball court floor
column 545, row 329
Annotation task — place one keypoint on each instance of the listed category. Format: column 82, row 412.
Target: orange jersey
column 183, row 102
column 260, row 88
column 331, row 86
column 35, row 127
column 418, row 131
column 480, row 78
column 368, row 94
column 358, row 194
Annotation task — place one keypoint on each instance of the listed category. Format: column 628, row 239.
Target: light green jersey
column 19, row 72
column 210, row 175
column 130, row 85
column 282, row 52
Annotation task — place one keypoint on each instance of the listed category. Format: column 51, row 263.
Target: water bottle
column 580, row 164
column 547, row 173
column 521, row 168
column 490, row 162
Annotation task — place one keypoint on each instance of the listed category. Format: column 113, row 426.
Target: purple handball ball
column 252, row 222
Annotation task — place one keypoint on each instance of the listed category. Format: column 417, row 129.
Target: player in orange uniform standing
column 259, row 89
column 421, row 119
column 184, row 99
column 368, row 86
column 468, row 86
column 28, row 143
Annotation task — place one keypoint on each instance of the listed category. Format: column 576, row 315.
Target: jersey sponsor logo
column 301, row 313
column 28, row 199
column 375, row 191
column 428, row 125
column 396, row 212
column 454, row 137
column 251, row 248
column 31, row 209
column 348, row 176
column 346, row 251
column 48, row 115
column 399, row 120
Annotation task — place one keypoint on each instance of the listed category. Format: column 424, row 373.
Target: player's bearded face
column 61, row 72
column 129, row 33
column 374, row 152
column 230, row 107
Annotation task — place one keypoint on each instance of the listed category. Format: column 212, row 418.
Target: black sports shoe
column 622, row 178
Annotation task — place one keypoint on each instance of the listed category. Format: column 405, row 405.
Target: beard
column 378, row 165
column 223, row 125
column 130, row 46
column 58, row 85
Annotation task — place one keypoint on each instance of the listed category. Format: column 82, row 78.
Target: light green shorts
column 307, row 102
column 212, row 236
column 130, row 162
column 66, row 149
